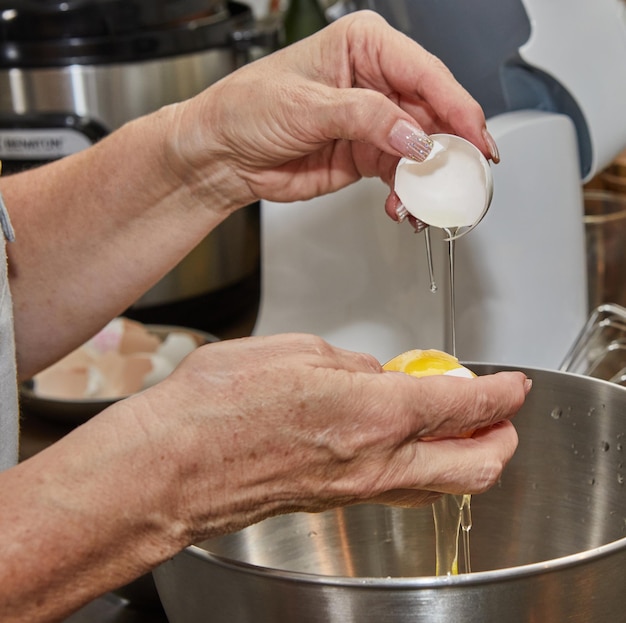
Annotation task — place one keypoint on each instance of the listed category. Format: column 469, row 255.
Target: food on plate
column 122, row 359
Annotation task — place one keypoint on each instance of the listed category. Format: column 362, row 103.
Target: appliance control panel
column 27, row 141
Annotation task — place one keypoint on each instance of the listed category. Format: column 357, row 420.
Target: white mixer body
column 582, row 45
column 339, row 267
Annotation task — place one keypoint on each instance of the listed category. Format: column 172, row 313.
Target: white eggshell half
column 451, row 188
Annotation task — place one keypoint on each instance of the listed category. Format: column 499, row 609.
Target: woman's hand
column 277, row 424
column 315, row 117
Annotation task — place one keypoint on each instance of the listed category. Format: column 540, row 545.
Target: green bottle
column 303, row 18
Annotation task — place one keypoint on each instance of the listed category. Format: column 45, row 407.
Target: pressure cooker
column 72, row 72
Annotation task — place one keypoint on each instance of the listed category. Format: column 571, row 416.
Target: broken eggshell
column 122, row 359
column 451, row 189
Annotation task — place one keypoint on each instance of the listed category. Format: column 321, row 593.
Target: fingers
column 472, row 404
column 420, row 83
column 436, row 434
column 424, row 469
column 471, row 465
column 458, row 437
column 447, row 406
column 397, row 211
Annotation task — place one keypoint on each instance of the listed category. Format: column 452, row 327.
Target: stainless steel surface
column 548, row 543
column 227, row 256
column 112, row 94
column 109, row 96
column 600, row 348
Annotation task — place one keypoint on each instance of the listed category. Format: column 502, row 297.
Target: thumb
column 368, row 116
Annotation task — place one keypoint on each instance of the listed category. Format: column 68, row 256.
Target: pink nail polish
column 419, row 226
column 402, row 213
column 493, row 148
column 410, row 141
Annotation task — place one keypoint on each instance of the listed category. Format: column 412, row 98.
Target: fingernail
column 402, row 213
column 419, row 226
column 493, row 148
column 410, row 141
column 528, row 383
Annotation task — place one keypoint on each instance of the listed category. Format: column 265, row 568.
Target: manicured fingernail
column 402, row 213
column 419, row 226
column 493, row 148
column 528, row 383
column 410, row 141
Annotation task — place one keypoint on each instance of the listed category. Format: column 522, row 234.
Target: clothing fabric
column 9, row 413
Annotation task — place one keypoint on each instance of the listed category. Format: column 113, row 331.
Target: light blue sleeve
column 9, row 414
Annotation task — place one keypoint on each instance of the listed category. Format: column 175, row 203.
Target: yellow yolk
column 427, row 363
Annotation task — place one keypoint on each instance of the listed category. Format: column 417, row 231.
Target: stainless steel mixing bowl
column 548, row 543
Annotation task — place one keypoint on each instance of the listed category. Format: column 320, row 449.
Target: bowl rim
column 504, row 574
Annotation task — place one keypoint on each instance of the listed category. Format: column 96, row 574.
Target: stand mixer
column 338, row 267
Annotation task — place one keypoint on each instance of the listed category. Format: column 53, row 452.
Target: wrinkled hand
column 317, row 116
column 268, row 425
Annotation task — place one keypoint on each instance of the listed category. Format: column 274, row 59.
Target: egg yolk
column 425, row 363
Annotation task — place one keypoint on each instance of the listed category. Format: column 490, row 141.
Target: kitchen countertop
column 36, row 433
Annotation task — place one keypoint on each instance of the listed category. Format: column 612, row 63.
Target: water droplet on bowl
column 556, row 414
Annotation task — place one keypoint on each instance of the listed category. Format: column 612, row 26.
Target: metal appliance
column 73, row 71
column 552, row 79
